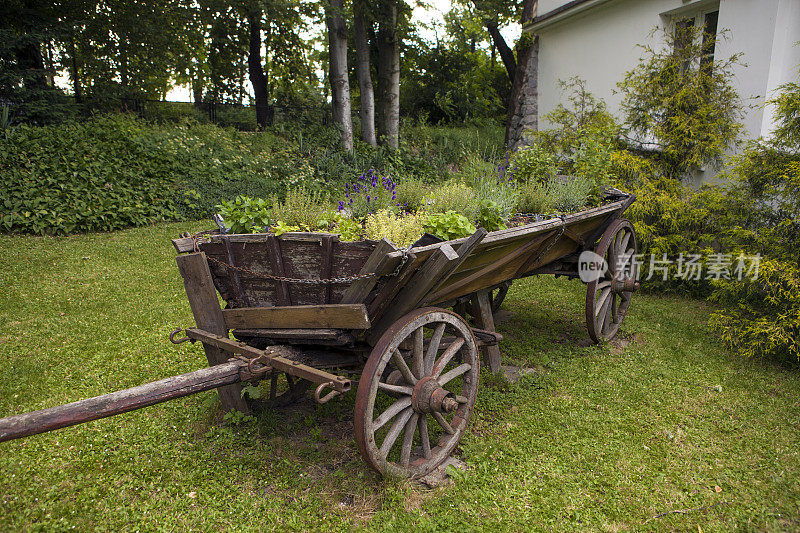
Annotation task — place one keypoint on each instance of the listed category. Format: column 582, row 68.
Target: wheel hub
column 429, row 397
column 624, row 285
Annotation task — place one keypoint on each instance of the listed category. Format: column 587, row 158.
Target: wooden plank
column 183, row 244
column 15, row 427
column 392, row 286
column 331, row 337
column 234, row 274
column 263, row 237
column 208, row 316
column 455, row 289
column 327, row 263
column 485, row 320
column 418, row 287
column 360, row 289
column 276, row 262
column 332, row 316
column 464, row 250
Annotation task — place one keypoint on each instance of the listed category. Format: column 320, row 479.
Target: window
column 709, row 39
column 685, row 34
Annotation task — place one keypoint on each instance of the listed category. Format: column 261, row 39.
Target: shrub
column 569, row 195
column 763, row 315
column 534, row 163
column 453, row 196
column 368, row 194
column 449, row 225
column 534, row 198
column 302, row 208
column 491, row 217
column 411, row 194
column 399, row 230
column 688, row 111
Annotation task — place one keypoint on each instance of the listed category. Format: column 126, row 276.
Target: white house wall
column 598, row 41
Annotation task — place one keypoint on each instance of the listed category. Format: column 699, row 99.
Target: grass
column 601, row 438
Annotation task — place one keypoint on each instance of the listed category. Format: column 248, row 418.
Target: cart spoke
column 408, row 439
column 625, row 240
column 606, row 316
column 444, row 423
column 433, row 348
column 394, row 431
column 462, row 399
column 390, row 413
column 602, row 285
column 423, row 436
column 457, row 371
column 601, row 301
column 417, row 361
column 399, row 389
column 401, row 365
column 614, row 308
column 448, row 354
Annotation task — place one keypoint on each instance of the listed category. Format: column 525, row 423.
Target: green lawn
column 602, row 438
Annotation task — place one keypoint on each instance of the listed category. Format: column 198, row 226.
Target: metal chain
column 554, row 241
column 326, row 281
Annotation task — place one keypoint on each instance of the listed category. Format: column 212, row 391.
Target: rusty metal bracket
column 328, row 397
column 173, row 340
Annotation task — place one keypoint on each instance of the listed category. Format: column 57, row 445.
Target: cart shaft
column 18, row 426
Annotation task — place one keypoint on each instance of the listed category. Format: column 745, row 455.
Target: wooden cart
column 309, row 310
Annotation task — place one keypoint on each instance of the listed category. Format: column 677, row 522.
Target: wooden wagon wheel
column 608, row 298
column 409, row 416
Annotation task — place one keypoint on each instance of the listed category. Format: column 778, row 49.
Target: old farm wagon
column 307, row 310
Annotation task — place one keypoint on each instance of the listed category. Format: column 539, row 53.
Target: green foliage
column 491, row 217
column 684, row 110
column 762, row 317
column 301, row 207
column 411, row 194
column 455, row 196
column 534, row 198
column 399, row 230
column 534, row 163
column 245, row 214
column 570, row 194
column 582, row 119
column 348, row 229
column 112, row 172
column 449, row 225
column 787, row 114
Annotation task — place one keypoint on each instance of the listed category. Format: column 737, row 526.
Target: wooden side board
column 333, row 316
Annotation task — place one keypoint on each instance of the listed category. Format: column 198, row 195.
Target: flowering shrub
column 369, row 194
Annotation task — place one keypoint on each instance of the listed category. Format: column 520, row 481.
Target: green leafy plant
column 449, row 225
column 245, row 214
column 282, row 227
column 534, row 163
column 491, row 217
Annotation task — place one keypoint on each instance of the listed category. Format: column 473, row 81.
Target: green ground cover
column 602, row 438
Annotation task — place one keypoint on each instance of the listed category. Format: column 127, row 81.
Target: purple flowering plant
column 368, row 194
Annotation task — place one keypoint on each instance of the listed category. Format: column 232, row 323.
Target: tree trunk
column 389, row 79
column 256, row 70
column 364, row 75
column 506, row 53
column 337, row 73
column 76, row 80
column 522, row 104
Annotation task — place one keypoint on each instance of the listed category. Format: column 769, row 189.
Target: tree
column 684, row 112
column 388, row 44
column 363, row 70
column 337, row 73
